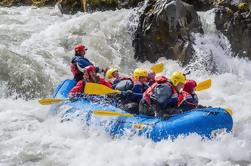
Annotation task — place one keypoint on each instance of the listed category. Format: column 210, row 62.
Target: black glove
column 201, row 106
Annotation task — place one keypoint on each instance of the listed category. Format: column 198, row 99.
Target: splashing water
column 34, row 61
column 35, row 49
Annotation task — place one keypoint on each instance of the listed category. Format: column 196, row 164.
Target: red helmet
column 189, row 86
column 90, row 68
column 79, row 47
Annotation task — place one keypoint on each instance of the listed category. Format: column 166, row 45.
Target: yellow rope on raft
column 230, row 111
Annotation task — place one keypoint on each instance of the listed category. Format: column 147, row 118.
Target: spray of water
column 35, row 49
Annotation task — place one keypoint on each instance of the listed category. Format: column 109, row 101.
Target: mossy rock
column 102, row 3
column 7, row 3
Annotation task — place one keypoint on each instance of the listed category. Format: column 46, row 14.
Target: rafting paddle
column 99, row 89
column 48, row 101
column 204, row 85
column 158, row 68
column 110, row 113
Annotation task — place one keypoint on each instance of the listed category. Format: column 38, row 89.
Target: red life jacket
column 159, row 80
column 126, row 78
column 74, row 69
column 188, row 99
column 104, row 82
column 79, row 88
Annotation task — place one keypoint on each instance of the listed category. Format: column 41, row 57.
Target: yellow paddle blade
column 158, row 68
column 98, row 89
column 230, row 111
column 204, row 85
column 110, row 113
column 48, row 101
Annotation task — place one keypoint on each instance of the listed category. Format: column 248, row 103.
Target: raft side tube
column 64, row 88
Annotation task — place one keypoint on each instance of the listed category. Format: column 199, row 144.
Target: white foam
column 31, row 136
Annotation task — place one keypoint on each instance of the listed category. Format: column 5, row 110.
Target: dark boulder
column 201, row 5
column 73, row 6
column 38, row 3
column 235, row 24
column 165, row 31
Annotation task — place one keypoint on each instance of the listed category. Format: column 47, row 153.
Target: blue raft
column 204, row 121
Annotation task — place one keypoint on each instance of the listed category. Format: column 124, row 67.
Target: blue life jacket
column 137, row 89
column 81, row 61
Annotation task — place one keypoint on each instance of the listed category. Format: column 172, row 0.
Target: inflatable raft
column 204, row 121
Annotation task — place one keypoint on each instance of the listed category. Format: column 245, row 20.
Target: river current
column 35, row 51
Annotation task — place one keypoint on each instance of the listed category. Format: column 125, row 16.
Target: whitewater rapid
column 35, row 50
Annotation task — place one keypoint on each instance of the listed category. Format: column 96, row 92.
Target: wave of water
column 36, row 53
column 35, row 49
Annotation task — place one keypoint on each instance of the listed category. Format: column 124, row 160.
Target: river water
column 35, row 51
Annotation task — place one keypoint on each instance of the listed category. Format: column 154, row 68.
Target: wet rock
column 235, row 24
column 165, row 31
column 201, row 5
column 7, row 3
column 70, row 6
column 39, row 3
column 73, row 6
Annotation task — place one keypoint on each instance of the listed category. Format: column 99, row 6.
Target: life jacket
column 187, row 101
column 74, row 69
column 79, row 88
column 115, row 81
column 82, row 62
column 104, row 82
column 124, row 85
column 73, row 65
column 158, row 93
column 149, row 91
column 139, row 87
